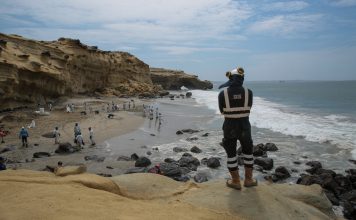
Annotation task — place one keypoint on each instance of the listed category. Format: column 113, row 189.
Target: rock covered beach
column 66, row 71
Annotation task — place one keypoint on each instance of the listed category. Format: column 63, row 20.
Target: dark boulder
column 134, row 156
column 169, row 160
column 190, row 131
column 190, row 162
column 109, row 167
column 324, row 171
column 344, row 182
column 142, row 162
column 200, row 177
column 213, row 162
column 179, row 149
column 184, row 170
column 148, row 152
column 196, row 150
column 186, row 154
column 351, row 171
column 194, row 138
column 270, row 147
column 297, row 162
column 66, row 148
column 349, row 210
column 332, row 198
column 315, row 165
column 265, row 163
column 179, row 132
column 307, row 180
column 41, row 154
column 94, row 158
column 204, row 161
column 258, row 151
column 281, row 173
column 188, row 94
column 170, row 169
column 205, row 135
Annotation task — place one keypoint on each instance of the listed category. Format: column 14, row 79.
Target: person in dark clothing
column 235, row 102
column 24, row 135
column 2, row 164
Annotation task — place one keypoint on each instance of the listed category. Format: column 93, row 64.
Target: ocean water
column 321, row 112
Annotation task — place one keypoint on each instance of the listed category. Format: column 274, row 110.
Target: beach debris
column 41, row 154
column 195, row 149
column 200, row 177
column 142, row 162
column 297, row 162
column 152, row 134
column 265, row 163
column 134, row 156
column 94, row 158
column 109, row 167
column 213, row 162
column 205, row 135
column 148, row 152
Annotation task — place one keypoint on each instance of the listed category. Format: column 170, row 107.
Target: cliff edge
column 175, row 79
column 42, row 195
column 37, row 71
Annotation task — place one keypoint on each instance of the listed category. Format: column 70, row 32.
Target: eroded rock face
column 175, row 79
column 34, row 71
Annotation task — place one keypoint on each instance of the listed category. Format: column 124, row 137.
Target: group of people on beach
column 151, row 112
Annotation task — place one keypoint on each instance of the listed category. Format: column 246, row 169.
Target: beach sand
column 104, row 128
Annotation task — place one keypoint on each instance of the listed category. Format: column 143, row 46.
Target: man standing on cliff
column 235, row 103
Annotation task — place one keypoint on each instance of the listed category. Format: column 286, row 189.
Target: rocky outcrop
column 35, row 71
column 65, row 195
column 175, row 79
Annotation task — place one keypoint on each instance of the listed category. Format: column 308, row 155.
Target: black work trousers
column 237, row 129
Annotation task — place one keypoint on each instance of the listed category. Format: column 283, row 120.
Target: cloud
column 181, row 50
column 285, row 6
column 343, row 3
column 139, row 20
column 286, row 25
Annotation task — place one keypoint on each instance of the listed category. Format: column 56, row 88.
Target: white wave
column 334, row 129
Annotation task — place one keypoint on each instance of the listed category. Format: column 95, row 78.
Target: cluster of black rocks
column 176, row 169
column 340, row 189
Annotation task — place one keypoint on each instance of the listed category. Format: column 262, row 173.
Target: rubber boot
column 249, row 181
column 235, row 181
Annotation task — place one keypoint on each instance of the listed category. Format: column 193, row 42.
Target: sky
column 271, row 40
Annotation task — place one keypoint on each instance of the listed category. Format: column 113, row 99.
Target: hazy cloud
column 286, row 25
column 285, row 6
column 343, row 3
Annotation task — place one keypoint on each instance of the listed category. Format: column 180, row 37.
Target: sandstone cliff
column 42, row 195
column 175, row 79
column 35, row 71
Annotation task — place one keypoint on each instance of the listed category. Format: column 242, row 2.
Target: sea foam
column 334, row 129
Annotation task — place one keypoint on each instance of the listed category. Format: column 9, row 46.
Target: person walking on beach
column 50, row 106
column 23, row 136
column 79, row 140
column 235, row 102
column 56, row 135
column 91, row 136
column 76, row 131
column 2, row 164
